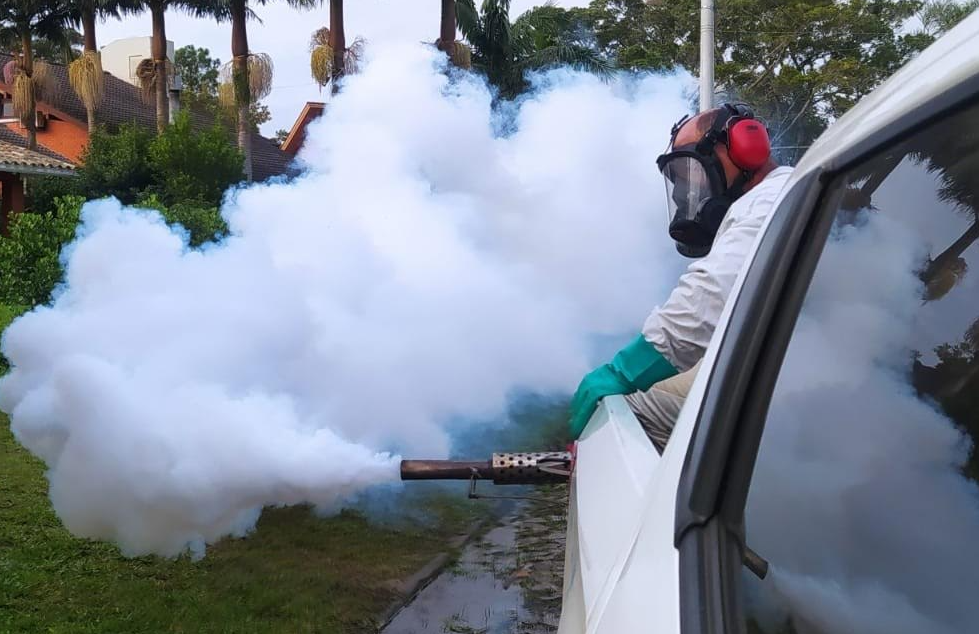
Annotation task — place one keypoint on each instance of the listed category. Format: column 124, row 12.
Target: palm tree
column 447, row 28
column 62, row 47
column 544, row 37
column 85, row 72
column 945, row 270
column 458, row 52
column 154, row 74
column 337, row 40
column 954, row 159
column 330, row 57
column 248, row 76
column 158, row 50
column 25, row 20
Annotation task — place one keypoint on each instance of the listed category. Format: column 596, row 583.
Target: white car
column 832, row 426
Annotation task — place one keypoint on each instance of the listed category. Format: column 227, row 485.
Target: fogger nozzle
column 538, row 467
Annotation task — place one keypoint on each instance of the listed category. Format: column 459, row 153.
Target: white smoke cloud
column 421, row 270
column 858, row 499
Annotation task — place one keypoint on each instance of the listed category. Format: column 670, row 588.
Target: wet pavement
column 508, row 581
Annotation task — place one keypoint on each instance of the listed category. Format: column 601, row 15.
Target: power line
column 799, row 32
column 312, row 83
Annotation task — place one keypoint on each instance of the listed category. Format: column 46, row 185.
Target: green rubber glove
column 597, row 384
column 636, row 367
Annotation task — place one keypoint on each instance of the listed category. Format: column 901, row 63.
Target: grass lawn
column 295, row 573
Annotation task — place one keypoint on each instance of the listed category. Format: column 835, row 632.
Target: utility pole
column 706, row 54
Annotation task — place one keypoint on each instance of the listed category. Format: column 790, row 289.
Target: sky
column 284, row 34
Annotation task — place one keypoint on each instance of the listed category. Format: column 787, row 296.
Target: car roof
column 952, row 59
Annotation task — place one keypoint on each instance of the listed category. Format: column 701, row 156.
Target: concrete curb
column 410, row 587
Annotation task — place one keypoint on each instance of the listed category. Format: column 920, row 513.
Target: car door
column 836, row 437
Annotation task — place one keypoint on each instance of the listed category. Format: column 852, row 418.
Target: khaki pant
column 658, row 408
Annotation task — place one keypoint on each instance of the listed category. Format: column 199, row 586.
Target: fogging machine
column 535, row 467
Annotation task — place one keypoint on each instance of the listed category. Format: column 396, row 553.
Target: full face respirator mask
column 697, row 192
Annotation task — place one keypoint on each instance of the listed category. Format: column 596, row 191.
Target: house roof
column 19, row 160
column 123, row 103
column 297, row 135
column 11, row 136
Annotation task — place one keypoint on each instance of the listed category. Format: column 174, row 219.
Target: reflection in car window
column 865, row 496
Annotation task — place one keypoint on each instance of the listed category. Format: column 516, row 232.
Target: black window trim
column 709, row 531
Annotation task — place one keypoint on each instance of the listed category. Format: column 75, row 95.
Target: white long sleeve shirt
column 682, row 327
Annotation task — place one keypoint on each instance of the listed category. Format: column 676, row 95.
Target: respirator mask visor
column 696, row 199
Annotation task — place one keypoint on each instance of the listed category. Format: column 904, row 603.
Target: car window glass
column 865, row 495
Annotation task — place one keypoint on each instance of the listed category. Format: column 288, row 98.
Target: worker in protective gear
column 721, row 185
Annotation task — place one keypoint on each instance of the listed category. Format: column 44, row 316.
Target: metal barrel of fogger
column 536, row 467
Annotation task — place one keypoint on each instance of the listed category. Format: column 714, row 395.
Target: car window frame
column 713, row 487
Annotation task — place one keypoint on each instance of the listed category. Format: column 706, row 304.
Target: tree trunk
column 89, row 46
column 90, row 114
column 337, row 41
column 30, row 117
column 159, row 52
column 951, row 254
column 447, row 29
column 88, row 29
column 243, row 97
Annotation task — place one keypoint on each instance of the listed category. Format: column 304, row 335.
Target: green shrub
column 116, row 164
column 42, row 191
column 7, row 315
column 181, row 167
column 193, row 167
column 29, row 256
column 203, row 224
column 182, row 173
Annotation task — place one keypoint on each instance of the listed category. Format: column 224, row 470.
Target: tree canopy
column 939, row 16
column 543, row 37
column 801, row 63
column 201, row 74
column 198, row 71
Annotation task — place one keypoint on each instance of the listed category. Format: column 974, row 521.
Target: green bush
column 7, row 315
column 182, row 173
column 42, row 191
column 203, row 224
column 29, row 256
column 193, row 167
column 116, row 164
column 182, row 167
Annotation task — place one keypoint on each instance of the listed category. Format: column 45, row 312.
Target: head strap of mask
column 718, row 133
column 748, row 147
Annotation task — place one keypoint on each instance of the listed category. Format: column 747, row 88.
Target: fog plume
column 436, row 255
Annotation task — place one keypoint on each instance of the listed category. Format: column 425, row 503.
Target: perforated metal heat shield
column 537, row 467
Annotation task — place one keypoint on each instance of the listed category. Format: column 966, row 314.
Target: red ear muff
column 748, row 144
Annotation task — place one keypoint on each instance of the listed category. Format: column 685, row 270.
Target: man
column 721, row 184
